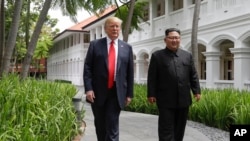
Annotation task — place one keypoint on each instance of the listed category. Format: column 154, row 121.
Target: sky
column 65, row 22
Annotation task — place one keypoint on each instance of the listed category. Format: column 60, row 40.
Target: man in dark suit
column 171, row 77
column 109, row 81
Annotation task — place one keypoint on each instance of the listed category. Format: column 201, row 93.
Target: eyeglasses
column 173, row 37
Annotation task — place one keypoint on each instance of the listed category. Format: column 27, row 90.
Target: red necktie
column 111, row 65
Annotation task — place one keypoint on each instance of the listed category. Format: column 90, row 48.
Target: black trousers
column 106, row 118
column 172, row 123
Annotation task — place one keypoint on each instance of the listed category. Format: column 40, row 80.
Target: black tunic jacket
column 171, row 77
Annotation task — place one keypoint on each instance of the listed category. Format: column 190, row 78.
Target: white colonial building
column 223, row 37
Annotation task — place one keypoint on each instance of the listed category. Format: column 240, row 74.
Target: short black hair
column 172, row 30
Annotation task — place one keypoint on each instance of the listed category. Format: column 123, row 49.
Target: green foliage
column 140, row 103
column 138, row 14
column 241, row 111
column 217, row 108
column 36, row 110
column 26, row 28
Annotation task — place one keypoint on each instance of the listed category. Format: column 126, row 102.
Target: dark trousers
column 172, row 123
column 106, row 118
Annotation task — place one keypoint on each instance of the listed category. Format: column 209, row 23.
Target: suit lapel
column 120, row 45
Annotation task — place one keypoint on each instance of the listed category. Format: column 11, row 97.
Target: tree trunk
column 11, row 41
column 27, row 25
column 2, row 33
column 128, row 21
column 34, row 39
column 194, row 42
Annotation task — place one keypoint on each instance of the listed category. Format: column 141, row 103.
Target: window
column 194, row 1
column 228, row 74
column 86, row 38
column 228, row 65
column 160, row 8
column 227, row 62
column 203, row 70
column 146, row 13
column 177, row 4
column 202, row 61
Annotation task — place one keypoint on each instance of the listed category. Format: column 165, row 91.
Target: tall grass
column 241, row 110
column 140, row 103
column 36, row 110
column 217, row 108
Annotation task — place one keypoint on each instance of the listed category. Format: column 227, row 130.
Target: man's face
column 113, row 29
column 173, row 40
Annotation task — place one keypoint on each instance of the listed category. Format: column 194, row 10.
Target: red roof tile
column 91, row 19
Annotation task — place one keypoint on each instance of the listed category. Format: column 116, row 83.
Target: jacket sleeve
column 194, row 79
column 152, row 77
column 130, row 72
column 88, row 66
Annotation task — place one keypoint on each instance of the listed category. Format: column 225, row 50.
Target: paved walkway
column 136, row 127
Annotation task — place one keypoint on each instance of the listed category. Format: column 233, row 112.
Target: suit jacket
column 96, row 71
column 171, row 77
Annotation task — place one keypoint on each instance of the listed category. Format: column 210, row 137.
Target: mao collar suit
column 171, row 78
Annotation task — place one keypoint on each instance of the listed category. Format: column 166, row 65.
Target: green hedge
column 36, row 110
column 217, row 108
column 140, row 103
column 221, row 107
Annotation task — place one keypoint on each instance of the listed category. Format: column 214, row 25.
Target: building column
column 186, row 4
column 98, row 32
column 212, row 68
column 92, row 34
column 136, row 73
column 152, row 14
column 139, row 71
column 241, row 66
column 103, row 31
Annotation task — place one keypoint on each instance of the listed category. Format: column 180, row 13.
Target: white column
column 166, row 13
column 81, row 67
column 92, row 34
column 103, row 31
column 98, row 33
column 166, row 7
column 136, row 73
column 152, row 15
column 241, row 66
column 212, row 68
column 185, row 8
column 82, row 38
column 139, row 71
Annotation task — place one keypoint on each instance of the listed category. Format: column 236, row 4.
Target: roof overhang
column 86, row 25
column 67, row 33
column 99, row 21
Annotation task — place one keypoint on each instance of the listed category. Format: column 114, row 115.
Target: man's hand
column 90, row 96
column 197, row 97
column 151, row 100
column 128, row 100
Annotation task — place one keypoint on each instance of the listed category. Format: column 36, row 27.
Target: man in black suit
column 171, row 77
column 108, row 89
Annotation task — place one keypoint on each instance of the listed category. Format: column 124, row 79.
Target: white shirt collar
column 109, row 41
